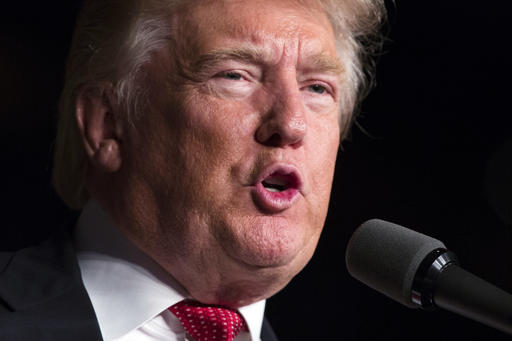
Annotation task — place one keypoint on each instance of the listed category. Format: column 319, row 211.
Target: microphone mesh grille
column 386, row 256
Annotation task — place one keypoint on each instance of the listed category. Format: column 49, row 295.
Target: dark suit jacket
column 42, row 296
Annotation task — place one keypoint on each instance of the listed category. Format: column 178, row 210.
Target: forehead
column 272, row 25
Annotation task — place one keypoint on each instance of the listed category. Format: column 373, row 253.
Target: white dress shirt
column 129, row 291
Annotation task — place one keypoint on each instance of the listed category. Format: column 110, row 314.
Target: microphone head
column 386, row 257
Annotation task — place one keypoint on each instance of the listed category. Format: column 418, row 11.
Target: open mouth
column 278, row 190
column 278, row 182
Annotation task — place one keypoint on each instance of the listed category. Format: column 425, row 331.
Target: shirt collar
column 127, row 287
column 253, row 315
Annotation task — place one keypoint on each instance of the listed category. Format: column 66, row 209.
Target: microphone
column 419, row 272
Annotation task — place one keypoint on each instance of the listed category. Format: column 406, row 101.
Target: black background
column 436, row 157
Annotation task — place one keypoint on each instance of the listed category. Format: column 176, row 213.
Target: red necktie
column 209, row 323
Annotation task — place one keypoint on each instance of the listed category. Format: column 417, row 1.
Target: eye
column 317, row 88
column 231, row 75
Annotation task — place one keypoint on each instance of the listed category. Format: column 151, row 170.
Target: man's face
column 229, row 175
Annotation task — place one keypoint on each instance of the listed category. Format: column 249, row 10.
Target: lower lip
column 274, row 202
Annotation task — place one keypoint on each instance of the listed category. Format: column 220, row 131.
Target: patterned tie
column 209, row 323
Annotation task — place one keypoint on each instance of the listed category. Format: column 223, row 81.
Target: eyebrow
column 324, row 63
column 248, row 54
column 314, row 63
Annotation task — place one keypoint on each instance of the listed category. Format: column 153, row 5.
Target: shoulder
column 42, row 295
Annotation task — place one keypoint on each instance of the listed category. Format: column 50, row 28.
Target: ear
column 99, row 127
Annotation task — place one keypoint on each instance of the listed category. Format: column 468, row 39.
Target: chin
column 275, row 254
column 258, row 282
column 275, row 243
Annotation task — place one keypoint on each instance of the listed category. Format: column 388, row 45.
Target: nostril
column 274, row 140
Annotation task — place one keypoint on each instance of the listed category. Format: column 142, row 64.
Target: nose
column 285, row 123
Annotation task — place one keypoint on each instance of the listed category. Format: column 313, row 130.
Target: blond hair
column 114, row 39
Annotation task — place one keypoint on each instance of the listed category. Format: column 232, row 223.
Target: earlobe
column 108, row 156
column 99, row 127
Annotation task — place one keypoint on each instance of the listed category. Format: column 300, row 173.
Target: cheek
column 323, row 150
column 214, row 136
column 220, row 126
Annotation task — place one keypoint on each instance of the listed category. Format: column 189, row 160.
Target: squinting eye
column 317, row 88
column 235, row 76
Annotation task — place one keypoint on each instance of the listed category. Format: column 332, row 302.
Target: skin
column 243, row 86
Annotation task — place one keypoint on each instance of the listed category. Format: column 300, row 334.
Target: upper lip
column 290, row 172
